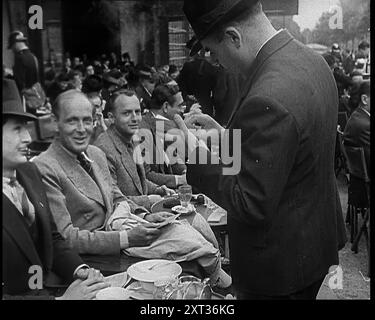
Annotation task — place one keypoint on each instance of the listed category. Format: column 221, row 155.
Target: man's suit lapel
column 164, row 167
column 79, row 177
column 106, row 191
column 16, row 228
column 126, row 159
column 44, row 224
column 273, row 45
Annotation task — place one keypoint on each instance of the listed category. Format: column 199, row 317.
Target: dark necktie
column 86, row 164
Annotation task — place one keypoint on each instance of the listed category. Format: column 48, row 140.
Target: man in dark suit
column 199, row 77
column 166, row 102
column 146, row 87
column 357, row 130
column 31, row 242
column 284, row 217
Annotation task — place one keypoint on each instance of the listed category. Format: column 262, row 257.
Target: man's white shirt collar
column 160, row 117
column 269, row 40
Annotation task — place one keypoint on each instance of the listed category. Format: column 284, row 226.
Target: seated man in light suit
column 30, row 238
column 117, row 143
column 79, row 186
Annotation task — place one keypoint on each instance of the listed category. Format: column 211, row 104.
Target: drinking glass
column 185, row 193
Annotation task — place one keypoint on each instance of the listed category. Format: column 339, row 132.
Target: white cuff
column 124, row 241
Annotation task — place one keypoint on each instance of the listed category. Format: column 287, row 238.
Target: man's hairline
column 56, row 112
column 114, row 104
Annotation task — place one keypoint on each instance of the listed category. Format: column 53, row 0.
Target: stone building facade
column 152, row 31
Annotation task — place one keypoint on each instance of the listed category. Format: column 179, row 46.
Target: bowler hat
column 93, row 83
column 15, row 36
column 205, row 15
column 113, row 77
column 12, row 104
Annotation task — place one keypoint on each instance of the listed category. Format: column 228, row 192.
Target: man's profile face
column 127, row 115
column 365, row 51
column 368, row 101
column 16, row 139
column 223, row 53
column 75, row 123
column 178, row 106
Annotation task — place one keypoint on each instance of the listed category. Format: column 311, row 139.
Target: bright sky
column 311, row 10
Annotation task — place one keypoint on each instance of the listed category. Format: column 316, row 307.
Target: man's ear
column 364, row 99
column 54, row 123
column 111, row 117
column 233, row 36
column 165, row 107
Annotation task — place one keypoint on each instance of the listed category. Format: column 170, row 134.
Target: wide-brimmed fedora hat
column 12, row 103
column 205, row 15
column 16, row 36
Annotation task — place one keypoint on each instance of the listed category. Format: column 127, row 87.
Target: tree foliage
column 356, row 23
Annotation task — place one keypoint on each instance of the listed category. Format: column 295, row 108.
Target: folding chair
column 42, row 132
column 340, row 160
column 358, row 202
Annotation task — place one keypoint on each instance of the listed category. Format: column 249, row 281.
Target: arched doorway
column 90, row 27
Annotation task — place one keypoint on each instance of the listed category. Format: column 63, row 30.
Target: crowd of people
column 91, row 191
column 352, row 75
column 349, row 70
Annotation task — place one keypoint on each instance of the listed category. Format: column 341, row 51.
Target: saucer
column 135, row 291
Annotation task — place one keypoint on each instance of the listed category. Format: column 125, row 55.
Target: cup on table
column 185, row 194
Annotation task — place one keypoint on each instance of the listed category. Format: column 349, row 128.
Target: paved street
column 355, row 283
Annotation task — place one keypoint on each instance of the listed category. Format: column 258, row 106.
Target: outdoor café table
column 111, row 264
column 219, row 228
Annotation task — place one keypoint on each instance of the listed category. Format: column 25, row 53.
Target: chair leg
column 363, row 229
column 347, row 218
column 351, row 217
column 355, row 222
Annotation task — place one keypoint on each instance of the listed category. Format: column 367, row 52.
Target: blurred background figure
column 173, row 71
column 198, row 78
column 26, row 73
column 89, row 70
column 145, row 87
column 357, row 130
column 336, row 53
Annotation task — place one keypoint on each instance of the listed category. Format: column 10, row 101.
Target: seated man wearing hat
column 30, row 239
column 146, row 87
